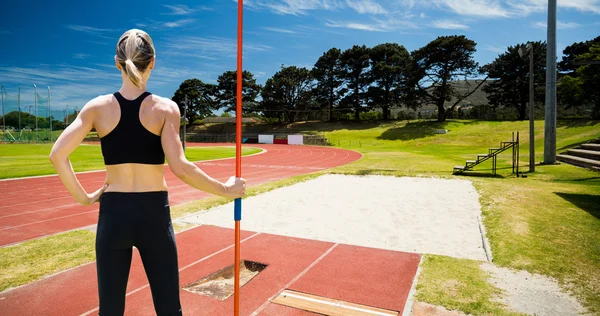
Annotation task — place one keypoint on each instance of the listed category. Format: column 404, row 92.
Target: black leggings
column 142, row 220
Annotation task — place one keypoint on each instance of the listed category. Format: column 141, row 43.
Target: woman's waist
column 135, row 178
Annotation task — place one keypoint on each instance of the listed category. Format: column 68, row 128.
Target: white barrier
column 265, row 139
column 295, row 140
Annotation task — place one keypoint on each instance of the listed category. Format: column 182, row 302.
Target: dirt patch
column 532, row 294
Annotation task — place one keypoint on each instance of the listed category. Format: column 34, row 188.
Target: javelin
column 238, row 162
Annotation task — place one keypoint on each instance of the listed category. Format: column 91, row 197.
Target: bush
column 370, row 116
column 406, row 115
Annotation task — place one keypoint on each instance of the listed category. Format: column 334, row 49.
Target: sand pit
column 422, row 215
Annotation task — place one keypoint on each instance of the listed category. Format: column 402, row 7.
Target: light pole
column 50, row 116
column 185, row 121
column 550, row 115
column 19, row 104
column 529, row 50
column 3, row 117
column 35, row 109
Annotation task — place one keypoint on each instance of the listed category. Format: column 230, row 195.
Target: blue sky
column 69, row 45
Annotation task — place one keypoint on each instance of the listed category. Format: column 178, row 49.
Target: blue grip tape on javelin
column 237, row 209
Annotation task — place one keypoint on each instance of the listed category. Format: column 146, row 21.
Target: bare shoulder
column 165, row 105
column 97, row 103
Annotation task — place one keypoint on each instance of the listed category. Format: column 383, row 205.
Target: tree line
column 386, row 76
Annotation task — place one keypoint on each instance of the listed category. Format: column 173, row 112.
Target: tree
column 389, row 73
column 327, row 71
column 436, row 65
column 510, row 71
column 355, row 66
column 201, row 98
column 288, row 92
column 571, row 52
column 581, row 87
column 226, row 90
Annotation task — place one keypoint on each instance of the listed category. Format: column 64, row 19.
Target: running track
column 40, row 206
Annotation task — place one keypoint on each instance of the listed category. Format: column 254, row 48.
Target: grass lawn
column 547, row 223
column 23, row 160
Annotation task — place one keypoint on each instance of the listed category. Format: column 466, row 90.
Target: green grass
column 458, row 284
column 547, row 223
column 24, row 160
column 35, row 259
column 32, row 260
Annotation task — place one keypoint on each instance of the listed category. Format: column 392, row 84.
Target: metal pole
column 50, row 116
column 238, row 160
column 19, row 105
column 3, row 118
column 531, row 114
column 185, row 120
column 550, row 128
column 35, row 109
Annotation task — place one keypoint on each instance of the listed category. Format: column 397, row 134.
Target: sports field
column 546, row 223
column 26, row 160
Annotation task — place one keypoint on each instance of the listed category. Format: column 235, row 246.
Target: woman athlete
column 137, row 131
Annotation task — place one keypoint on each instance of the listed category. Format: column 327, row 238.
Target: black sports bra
column 130, row 141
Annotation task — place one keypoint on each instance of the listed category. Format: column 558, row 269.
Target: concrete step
column 471, row 161
column 595, row 147
column 589, row 154
column 578, row 161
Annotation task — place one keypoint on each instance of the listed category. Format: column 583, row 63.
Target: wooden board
column 328, row 306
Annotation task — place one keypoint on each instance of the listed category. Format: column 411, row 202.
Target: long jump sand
column 421, row 215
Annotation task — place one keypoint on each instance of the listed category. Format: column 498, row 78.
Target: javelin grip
column 237, row 209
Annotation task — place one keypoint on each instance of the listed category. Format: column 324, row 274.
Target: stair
column 492, row 153
column 586, row 155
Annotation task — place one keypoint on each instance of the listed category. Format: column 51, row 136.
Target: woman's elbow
column 179, row 170
column 54, row 157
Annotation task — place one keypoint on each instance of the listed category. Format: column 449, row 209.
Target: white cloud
column 178, row 9
column 528, row 6
column 177, row 23
column 422, row 15
column 449, row 25
column 280, row 30
column 494, row 49
column 559, row 25
column 357, row 26
column 208, row 47
column 89, row 29
column 504, row 8
column 72, row 85
column 259, row 74
column 480, row 8
column 293, row 7
column 366, row 6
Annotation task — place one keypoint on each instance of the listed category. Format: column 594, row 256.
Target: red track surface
column 378, row 278
column 36, row 207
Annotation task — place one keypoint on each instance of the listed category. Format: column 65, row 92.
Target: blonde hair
column 135, row 51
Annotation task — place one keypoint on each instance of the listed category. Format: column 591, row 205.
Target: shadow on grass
column 573, row 145
column 568, row 123
column 481, row 175
column 587, row 202
column 418, row 129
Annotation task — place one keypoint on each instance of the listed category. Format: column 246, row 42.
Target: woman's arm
column 187, row 171
column 68, row 141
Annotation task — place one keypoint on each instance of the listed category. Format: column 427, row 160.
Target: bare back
column 132, row 177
